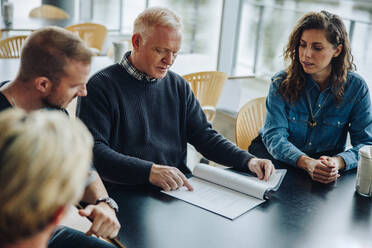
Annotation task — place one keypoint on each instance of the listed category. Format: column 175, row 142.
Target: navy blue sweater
column 138, row 123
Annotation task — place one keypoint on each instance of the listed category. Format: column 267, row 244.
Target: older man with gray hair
column 142, row 115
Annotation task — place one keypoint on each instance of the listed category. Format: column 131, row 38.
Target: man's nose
column 168, row 58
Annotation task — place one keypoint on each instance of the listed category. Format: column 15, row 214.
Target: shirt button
column 293, row 118
column 310, row 144
column 319, row 105
column 338, row 123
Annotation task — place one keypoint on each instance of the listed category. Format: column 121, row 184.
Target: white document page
column 226, row 192
column 246, row 184
column 215, row 198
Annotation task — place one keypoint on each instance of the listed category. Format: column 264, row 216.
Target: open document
column 226, row 192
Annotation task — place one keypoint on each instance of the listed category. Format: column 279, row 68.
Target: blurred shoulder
column 111, row 71
column 355, row 79
column 278, row 78
column 173, row 76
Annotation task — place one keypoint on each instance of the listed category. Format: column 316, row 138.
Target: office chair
column 93, row 34
column 250, row 119
column 207, row 87
column 47, row 11
column 11, row 47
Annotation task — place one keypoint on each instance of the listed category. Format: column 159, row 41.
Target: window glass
column 22, row 8
column 263, row 37
column 130, row 11
column 201, row 20
column 107, row 12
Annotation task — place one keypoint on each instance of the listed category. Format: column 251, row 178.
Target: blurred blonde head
column 44, row 158
column 155, row 16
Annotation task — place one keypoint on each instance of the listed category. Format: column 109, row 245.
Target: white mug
column 120, row 47
column 364, row 173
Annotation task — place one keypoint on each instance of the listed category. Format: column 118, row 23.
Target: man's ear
column 136, row 41
column 43, row 84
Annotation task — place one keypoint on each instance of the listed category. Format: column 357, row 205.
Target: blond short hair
column 44, row 162
column 156, row 16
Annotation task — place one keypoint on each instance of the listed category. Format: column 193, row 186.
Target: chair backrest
column 93, row 34
column 47, row 11
column 250, row 119
column 11, row 47
column 207, row 87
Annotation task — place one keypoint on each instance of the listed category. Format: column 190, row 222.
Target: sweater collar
column 127, row 65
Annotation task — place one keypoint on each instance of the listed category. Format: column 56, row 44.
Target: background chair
column 11, row 47
column 48, row 12
column 251, row 118
column 93, row 34
column 207, row 87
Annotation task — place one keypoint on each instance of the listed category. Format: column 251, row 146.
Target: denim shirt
column 286, row 133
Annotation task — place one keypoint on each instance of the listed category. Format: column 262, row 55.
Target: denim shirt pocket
column 332, row 129
column 297, row 127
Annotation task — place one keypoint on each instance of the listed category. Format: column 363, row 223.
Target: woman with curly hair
column 316, row 102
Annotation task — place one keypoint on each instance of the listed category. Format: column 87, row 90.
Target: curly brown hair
column 294, row 83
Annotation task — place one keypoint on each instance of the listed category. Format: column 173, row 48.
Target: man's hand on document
column 263, row 168
column 168, row 178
